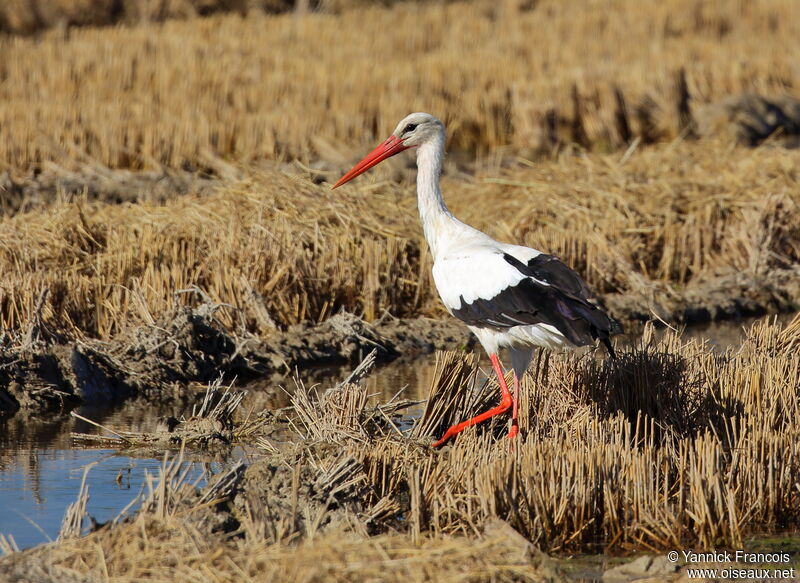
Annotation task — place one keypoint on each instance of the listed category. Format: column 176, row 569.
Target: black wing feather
column 562, row 301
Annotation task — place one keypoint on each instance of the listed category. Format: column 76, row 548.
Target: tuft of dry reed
column 8, row 545
column 534, row 76
column 211, row 424
column 72, row 524
column 105, row 264
column 343, row 414
column 670, row 445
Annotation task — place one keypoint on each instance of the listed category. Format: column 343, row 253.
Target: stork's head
column 417, row 128
column 414, row 130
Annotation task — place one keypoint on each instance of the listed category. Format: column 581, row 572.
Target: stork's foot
column 506, row 401
column 514, row 431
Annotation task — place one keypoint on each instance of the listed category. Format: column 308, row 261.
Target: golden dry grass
column 225, row 91
column 279, row 249
column 512, row 73
column 709, row 464
column 606, row 461
column 672, row 445
column 171, row 550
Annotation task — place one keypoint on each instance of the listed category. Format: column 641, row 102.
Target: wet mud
column 725, row 297
column 40, row 373
column 42, row 187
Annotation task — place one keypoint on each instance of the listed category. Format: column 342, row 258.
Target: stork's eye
column 410, row 128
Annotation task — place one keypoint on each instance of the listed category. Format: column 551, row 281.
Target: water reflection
column 41, row 469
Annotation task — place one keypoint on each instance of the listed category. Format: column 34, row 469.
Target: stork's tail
column 614, row 327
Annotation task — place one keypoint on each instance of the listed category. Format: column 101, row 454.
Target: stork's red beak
column 387, row 149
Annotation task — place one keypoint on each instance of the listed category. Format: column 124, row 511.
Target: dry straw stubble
column 529, row 75
column 589, row 473
column 633, row 454
column 696, row 225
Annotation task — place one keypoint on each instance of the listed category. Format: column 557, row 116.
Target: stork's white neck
column 432, row 211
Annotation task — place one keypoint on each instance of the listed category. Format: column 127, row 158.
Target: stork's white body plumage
column 468, row 264
column 509, row 296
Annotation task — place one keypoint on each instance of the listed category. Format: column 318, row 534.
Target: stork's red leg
column 505, row 403
column 514, row 410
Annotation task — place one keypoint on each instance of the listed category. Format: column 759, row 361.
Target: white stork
column 509, row 296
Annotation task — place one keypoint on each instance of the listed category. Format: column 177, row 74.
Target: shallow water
column 41, row 465
column 41, row 469
column 37, row 490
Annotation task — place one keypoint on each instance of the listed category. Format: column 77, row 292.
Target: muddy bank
column 42, row 187
column 41, row 372
column 726, row 297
